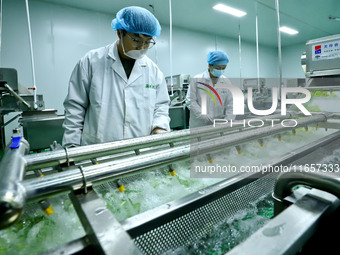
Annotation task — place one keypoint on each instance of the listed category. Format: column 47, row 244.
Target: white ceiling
column 309, row 17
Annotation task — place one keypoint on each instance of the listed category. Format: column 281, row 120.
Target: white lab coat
column 193, row 101
column 102, row 105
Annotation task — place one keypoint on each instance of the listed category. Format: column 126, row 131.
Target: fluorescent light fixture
column 229, row 10
column 289, row 30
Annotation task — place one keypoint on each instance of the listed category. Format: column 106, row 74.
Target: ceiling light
column 229, row 10
column 289, row 30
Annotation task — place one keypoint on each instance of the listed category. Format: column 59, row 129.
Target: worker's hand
column 207, row 120
column 158, row 131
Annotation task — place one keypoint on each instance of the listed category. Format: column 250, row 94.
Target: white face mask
column 217, row 73
column 135, row 54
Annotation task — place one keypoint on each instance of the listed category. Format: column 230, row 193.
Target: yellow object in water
column 173, row 173
column 238, row 148
column 211, row 161
column 317, row 93
column 49, row 210
column 121, row 188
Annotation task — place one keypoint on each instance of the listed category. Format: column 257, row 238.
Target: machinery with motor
column 34, row 120
column 151, row 195
column 262, row 89
column 262, row 98
column 178, row 112
column 322, row 61
column 88, row 174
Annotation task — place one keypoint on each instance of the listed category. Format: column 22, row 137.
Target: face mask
column 135, row 54
column 217, row 73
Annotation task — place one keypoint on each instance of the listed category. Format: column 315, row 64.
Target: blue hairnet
column 218, row 57
column 136, row 20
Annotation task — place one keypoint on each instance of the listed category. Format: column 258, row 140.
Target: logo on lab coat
column 149, row 86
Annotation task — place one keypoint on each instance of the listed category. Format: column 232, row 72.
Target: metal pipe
column 12, row 172
column 279, row 40
column 335, row 115
column 331, row 88
column 54, row 158
column 236, row 139
column 74, row 179
column 1, row 33
column 240, row 53
column 19, row 98
column 325, row 181
column 257, row 51
column 170, row 49
column 32, row 57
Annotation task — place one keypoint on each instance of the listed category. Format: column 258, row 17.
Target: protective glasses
column 140, row 43
column 219, row 67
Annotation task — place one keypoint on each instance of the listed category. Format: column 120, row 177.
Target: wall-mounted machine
column 322, row 61
column 323, row 56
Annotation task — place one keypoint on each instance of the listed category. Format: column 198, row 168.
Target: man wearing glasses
column 116, row 92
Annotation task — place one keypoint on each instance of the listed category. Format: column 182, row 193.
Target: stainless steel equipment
column 47, row 122
column 323, row 56
column 9, row 76
column 179, row 114
column 35, row 122
column 297, row 82
column 84, row 172
column 322, row 61
column 12, row 101
column 262, row 94
column 163, row 228
column 180, row 82
column 254, row 83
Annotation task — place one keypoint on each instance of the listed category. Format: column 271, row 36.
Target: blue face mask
column 217, row 73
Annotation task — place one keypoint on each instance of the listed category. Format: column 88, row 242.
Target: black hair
column 124, row 32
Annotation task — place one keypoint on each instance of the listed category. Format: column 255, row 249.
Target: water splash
column 35, row 232
column 231, row 231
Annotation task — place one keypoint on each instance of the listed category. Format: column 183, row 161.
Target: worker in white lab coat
column 218, row 61
column 116, row 92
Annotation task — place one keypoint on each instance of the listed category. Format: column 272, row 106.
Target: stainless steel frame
column 73, row 179
column 183, row 220
column 81, row 178
column 50, row 159
column 288, row 232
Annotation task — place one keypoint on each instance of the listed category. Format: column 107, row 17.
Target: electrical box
column 9, row 76
column 323, row 56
